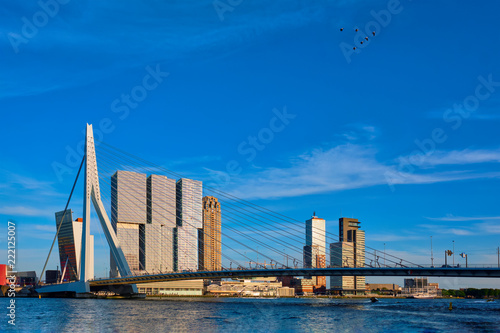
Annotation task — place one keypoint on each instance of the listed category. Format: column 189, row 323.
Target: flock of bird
column 366, row 38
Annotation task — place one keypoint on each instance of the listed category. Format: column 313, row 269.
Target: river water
column 252, row 315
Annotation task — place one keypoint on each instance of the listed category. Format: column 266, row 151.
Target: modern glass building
column 128, row 197
column 348, row 252
column 66, row 238
column 189, row 220
column 143, row 214
column 161, row 221
column 210, row 236
column 315, row 249
column 69, row 240
column 128, row 217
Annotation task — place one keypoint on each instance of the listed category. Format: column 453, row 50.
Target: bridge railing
column 329, row 266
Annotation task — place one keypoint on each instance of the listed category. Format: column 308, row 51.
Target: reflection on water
column 255, row 315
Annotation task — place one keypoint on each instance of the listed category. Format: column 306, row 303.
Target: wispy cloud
column 461, row 157
column 453, row 218
column 22, row 195
column 448, row 230
column 350, row 166
column 14, row 182
column 394, row 237
column 44, row 227
column 481, row 228
column 27, row 211
column 488, row 228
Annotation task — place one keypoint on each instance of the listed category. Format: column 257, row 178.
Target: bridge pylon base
column 80, row 289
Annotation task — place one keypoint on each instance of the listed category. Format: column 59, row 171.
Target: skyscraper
column 210, row 236
column 143, row 214
column 161, row 221
column 348, row 252
column 189, row 220
column 315, row 249
column 69, row 240
column 128, row 217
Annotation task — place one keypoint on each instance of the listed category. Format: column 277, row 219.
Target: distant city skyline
column 265, row 105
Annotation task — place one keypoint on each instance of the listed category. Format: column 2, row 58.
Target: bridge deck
column 344, row 271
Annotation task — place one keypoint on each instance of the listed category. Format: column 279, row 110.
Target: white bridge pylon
column 92, row 193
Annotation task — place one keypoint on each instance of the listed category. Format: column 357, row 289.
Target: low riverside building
column 255, row 287
column 420, row 285
column 383, row 288
column 304, row 286
column 173, row 288
column 52, row 276
column 25, row 278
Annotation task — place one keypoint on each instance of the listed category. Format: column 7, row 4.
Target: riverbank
column 304, row 297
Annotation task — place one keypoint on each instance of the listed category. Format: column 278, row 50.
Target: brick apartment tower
column 210, row 236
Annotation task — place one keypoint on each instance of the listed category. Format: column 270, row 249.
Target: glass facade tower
column 348, row 252
column 189, row 221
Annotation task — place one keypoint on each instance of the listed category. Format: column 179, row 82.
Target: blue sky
column 401, row 133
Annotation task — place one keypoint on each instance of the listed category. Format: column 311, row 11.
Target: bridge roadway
column 339, row 271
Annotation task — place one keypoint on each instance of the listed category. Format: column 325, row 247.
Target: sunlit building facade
column 143, row 214
column 348, row 252
column 210, row 236
column 161, row 221
column 128, row 217
column 69, row 240
column 189, row 221
column 315, row 248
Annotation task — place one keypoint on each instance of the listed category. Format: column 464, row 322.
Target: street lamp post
column 453, row 253
column 464, row 255
column 432, row 255
column 447, row 253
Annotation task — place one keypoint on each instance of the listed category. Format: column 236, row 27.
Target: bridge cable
column 62, row 219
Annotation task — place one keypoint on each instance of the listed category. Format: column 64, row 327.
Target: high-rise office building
column 69, row 240
column 348, row 252
column 189, row 220
column 315, row 248
column 210, row 236
column 143, row 214
column 128, row 217
column 161, row 221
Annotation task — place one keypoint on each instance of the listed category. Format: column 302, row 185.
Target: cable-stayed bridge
column 335, row 271
column 156, row 234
